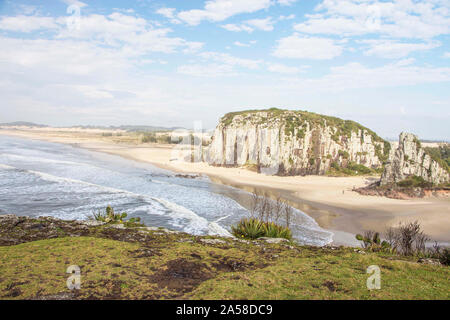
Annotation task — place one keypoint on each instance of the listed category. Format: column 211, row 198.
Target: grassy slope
column 165, row 268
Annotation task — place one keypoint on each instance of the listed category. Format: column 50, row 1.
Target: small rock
column 7, row 216
column 118, row 226
column 273, row 240
column 93, row 223
column 213, row 241
column 186, row 240
column 434, row 262
column 242, row 241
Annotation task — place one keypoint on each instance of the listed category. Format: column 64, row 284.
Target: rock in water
column 410, row 159
column 288, row 142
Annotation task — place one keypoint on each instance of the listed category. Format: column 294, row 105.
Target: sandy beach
column 329, row 200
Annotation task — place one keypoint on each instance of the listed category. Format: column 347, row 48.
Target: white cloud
column 228, row 59
column 27, row 23
column 237, row 28
column 394, row 49
column 406, row 18
column 356, row 76
column 261, row 24
column 75, row 3
column 169, row 13
column 135, row 35
column 281, row 68
column 166, row 12
column 223, row 65
column 289, row 17
column 295, row 46
column 240, row 44
column 447, row 54
column 131, row 33
column 249, row 26
column 286, row 2
column 405, row 62
column 219, row 10
column 210, row 70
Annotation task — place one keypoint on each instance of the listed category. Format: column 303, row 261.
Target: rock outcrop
column 287, row 142
column 410, row 159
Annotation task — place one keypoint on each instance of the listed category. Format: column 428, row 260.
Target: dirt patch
column 231, row 265
column 15, row 230
column 145, row 253
column 332, row 286
column 112, row 287
column 13, row 290
column 59, row 296
column 181, row 276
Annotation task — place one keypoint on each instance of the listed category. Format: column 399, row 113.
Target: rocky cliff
column 410, row 159
column 294, row 143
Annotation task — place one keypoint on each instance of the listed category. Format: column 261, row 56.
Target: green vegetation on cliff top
column 137, row 264
column 298, row 118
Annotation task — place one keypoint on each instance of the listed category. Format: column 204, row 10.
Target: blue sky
column 385, row 64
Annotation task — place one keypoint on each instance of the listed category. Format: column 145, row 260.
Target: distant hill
column 23, row 124
column 145, row 128
column 131, row 128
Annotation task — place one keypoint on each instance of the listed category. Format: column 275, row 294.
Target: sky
column 385, row 64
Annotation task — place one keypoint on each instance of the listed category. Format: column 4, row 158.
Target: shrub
column 371, row 240
column 273, row 230
column 414, row 182
column 248, row 229
column 359, row 168
column 407, row 239
column 344, row 154
column 109, row 216
column 254, row 228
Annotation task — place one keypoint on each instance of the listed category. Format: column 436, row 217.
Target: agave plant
column 109, row 216
column 254, row 228
column 372, row 241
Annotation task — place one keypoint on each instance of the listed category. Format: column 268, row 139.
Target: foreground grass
column 181, row 266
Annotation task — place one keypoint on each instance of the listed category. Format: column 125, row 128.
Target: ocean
column 48, row 179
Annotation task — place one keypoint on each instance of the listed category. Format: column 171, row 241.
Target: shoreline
column 330, row 201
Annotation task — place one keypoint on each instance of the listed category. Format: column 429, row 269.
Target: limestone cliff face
column 293, row 142
column 411, row 159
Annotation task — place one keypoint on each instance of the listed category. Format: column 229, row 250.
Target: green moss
column 441, row 155
column 297, row 118
column 352, row 169
column 344, row 154
column 414, row 182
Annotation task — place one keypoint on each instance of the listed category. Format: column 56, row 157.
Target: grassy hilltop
column 149, row 263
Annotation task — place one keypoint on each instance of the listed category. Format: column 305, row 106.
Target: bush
column 109, row 216
column 371, row 240
column 344, row 154
column 407, row 239
column 254, row 228
column 359, row 168
column 249, row 229
column 273, row 230
column 414, row 182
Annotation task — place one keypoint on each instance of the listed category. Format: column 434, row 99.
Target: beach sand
column 329, row 200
